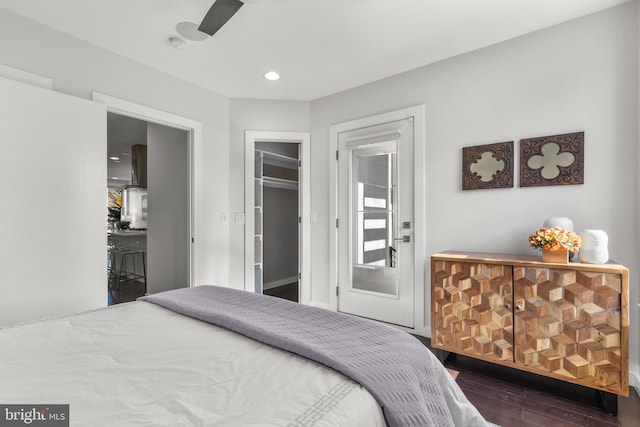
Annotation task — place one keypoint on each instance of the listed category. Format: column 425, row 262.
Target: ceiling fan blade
column 221, row 11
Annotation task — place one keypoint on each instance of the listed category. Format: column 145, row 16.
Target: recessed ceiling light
column 114, row 158
column 189, row 31
column 271, row 75
column 114, row 177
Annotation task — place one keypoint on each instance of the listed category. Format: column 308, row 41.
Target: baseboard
column 281, row 282
column 634, row 381
column 320, row 305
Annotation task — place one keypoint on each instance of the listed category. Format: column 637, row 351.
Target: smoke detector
column 177, row 43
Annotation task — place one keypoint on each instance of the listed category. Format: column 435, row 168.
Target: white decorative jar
column 594, row 247
column 559, row 221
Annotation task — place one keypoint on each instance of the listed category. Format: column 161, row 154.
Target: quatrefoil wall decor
column 552, row 160
column 487, row 166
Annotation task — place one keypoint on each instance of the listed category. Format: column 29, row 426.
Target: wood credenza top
column 527, row 261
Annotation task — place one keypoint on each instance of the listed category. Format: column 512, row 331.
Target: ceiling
column 319, row 47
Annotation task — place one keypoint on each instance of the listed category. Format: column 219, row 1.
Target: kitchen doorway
column 162, row 243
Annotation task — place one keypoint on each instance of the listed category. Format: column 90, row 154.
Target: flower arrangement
column 554, row 239
column 114, row 209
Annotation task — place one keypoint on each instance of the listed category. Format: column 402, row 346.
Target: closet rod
column 285, row 184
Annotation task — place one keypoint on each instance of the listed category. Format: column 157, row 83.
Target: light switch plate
column 239, row 218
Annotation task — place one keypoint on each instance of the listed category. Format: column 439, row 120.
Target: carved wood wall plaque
column 552, row 160
column 487, row 166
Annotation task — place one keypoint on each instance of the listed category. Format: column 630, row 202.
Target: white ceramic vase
column 559, row 221
column 594, row 248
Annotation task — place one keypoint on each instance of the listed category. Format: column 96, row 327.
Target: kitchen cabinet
column 564, row 321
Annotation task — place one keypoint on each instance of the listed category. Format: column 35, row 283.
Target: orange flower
column 553, row 239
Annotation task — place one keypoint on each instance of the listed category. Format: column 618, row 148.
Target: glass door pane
column 374, row 218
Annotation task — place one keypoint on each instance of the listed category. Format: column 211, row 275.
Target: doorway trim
column 194, row 129
column 304, row 139
column 419, row 207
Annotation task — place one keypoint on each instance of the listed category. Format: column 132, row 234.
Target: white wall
column 168, row 225
column 254, row 115
column 578, row 76
column 78, row 68
column 280, row 236
column 53, row 238
column 635, row 352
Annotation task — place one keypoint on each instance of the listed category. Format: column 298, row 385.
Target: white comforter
column 138, row 364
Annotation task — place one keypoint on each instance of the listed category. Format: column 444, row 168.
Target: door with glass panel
column 375, row 222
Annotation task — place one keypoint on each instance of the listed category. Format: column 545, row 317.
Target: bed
column 198, row 357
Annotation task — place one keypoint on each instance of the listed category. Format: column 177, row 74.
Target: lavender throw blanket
column 392, row 365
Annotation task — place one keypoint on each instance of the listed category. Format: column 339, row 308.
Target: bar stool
column 127, row 270
column 127, row 260
column 112, row 260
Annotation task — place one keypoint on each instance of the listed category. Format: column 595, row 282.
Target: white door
column 375, row 229
column 53, row 167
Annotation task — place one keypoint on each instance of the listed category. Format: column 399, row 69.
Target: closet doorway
column 277, row 215
column 277, row 224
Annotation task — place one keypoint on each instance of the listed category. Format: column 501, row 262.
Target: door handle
column 405, row 239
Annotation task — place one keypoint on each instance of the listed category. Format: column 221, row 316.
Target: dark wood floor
column 510, row 397
column 128, row 291
column 289, row 292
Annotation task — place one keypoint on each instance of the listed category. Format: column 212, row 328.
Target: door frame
column 419, row 207
column 304, row 188
column 194, row 130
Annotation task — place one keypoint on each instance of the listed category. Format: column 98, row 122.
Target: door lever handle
column 405, row 239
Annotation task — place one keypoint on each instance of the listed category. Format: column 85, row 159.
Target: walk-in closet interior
column 277, row 212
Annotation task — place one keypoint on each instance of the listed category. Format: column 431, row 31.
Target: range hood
column 139, row 165
column 134, row 196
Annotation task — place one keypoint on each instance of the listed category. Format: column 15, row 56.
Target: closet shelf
column 279, row 160
column 285, row 184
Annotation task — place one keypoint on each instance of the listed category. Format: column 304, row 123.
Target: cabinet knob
column 518, row 307
column 507, row 305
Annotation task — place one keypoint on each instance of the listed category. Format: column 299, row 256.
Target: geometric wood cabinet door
column 565, row 321
column 471, row 309
column 568, row 322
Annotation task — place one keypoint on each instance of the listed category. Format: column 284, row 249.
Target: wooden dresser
column 564, row 321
